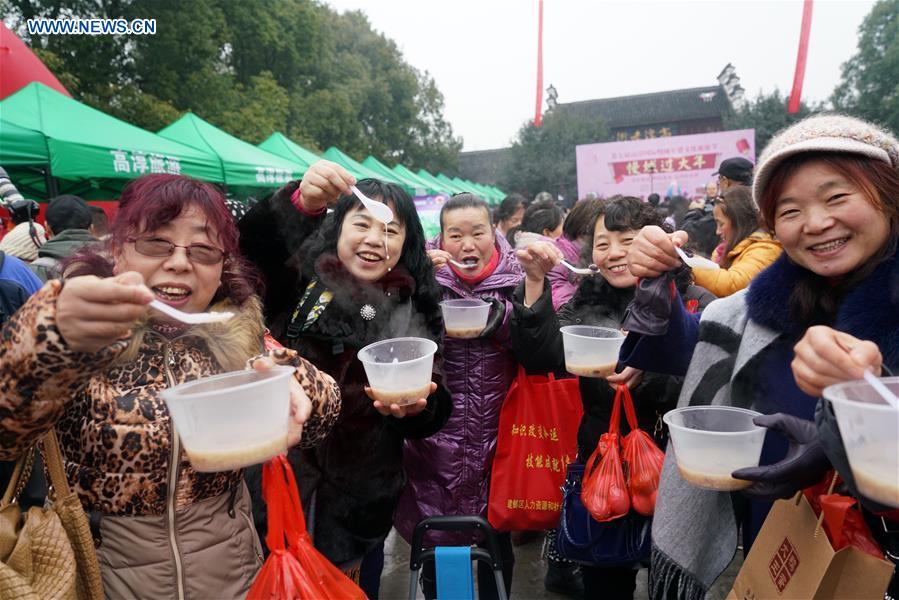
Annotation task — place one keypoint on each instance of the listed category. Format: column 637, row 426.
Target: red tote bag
column 537, row 440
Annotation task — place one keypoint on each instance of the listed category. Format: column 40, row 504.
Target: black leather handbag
column 580, row 538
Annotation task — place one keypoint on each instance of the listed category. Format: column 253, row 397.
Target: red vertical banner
column 799, row 76
column 538, row 112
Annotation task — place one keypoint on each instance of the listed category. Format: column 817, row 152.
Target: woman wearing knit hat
column 19, row 242
column 826, row 310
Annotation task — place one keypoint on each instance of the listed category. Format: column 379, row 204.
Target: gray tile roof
column 655, row 108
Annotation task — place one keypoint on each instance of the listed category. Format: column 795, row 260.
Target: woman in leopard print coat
column 85, row 357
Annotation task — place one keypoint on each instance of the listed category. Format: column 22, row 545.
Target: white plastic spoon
column 191, row 318
column 591, row 270
column 697, row 262
column 378, row 210
column 463, row 265
column 881, row 389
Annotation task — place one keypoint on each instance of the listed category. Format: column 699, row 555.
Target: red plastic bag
column 843, row 525
column 643, row 459
column 294, row 570
column 604, row 489
column 537, row 439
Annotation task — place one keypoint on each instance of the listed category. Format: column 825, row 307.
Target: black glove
column 495, row 318
column 804, row 465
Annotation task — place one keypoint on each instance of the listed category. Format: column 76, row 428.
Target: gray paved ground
column 528, row 579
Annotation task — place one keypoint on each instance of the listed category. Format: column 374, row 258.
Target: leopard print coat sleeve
column 39, row 374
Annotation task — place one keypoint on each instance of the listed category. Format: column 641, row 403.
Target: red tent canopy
column 19, row 66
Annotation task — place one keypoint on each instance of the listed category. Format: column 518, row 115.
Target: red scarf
column 487, row 271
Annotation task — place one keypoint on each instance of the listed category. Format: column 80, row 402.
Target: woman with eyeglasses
column 745, row 250
column 87, row 357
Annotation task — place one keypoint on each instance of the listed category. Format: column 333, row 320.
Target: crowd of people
column 807, row 295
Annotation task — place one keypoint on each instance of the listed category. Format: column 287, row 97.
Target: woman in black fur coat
column 336, row 283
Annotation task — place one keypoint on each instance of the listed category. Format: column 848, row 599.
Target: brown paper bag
column 788, row 561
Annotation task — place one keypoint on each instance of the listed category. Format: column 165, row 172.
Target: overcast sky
column 482, row 53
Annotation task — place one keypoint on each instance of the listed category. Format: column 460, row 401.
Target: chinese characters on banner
column 140, row 163
column 684, row 163
column 272, row 175
column 555, row 463
column 522, row 504
column 646, row 133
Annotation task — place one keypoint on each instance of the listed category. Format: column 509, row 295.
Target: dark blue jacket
column 17, row 283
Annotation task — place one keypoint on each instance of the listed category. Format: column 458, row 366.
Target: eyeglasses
column 156, row 247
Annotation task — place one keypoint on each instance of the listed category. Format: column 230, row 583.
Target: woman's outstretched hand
column 93, row 313
column 323, row 183
column 392, row 410
column 653, row 253
column 300, row 405
column 825, row 356
column 537, row 259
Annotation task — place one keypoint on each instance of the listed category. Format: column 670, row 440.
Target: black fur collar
column 870, row 311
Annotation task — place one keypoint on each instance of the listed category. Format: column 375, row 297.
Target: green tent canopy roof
column 447, row 185
column 385, row 173
column 414, row 185
column 433, row 189
column 21, row 146
column 467, row 184
column 243, row 163
column 462, row 187
column 283, row 146
column 490, row 192
column 487, row 192
column 83, row 143
column 356, row 168
column 482, row 191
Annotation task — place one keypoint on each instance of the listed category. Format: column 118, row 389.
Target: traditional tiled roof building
column 658, row 114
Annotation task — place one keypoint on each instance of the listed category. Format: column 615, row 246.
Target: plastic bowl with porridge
column 233, row 420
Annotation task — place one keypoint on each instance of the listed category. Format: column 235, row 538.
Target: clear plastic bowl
column 870, row 431
column 710, row 442
column 591, row 351
column 399, row 370
column 232, row 420
column 465, row 318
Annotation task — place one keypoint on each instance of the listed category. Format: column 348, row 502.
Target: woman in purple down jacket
column 449, row 472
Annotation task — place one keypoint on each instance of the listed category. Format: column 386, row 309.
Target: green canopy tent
column 403, row 171
column 23, row 153
column 415, row 186
column 283, row 146
column 447, row 185
column 84, row 151
column 497, row 193
column 244, row 165
column 486, row 192
column 462, row 187
column 21, row 146
column 479, row 189
column 490, row 194
column 357, row 169
column 385, row 173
